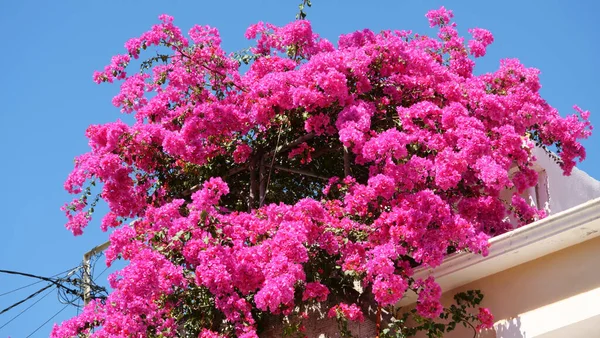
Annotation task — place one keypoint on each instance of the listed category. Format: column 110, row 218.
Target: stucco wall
column 565, row 192
column 541, row 297
column 326, row 328
column 318, row 325
column 554, row 296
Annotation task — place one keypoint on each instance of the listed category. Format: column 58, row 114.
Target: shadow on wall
column 510, row 328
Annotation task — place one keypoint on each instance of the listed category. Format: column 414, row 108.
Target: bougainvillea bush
column 258, row 183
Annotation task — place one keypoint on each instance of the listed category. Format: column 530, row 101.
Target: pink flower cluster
column 430, row 147
column 486, row 318
column 304, row 151
column 350, row 312
column 428, row 304
column 315, row 291
column 481, row 39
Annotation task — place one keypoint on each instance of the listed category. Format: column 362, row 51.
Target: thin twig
column 253, row 184
column 294, row 143
column 347, row 171
column 236, row 170
column 231, row 172
column 378, row 323
column 271, row 166
column 261, row 179
column 474, row 329
column 323, row 151
column 210, row 69
column 299, row 171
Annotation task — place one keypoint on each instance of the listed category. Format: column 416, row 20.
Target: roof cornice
column 532, row 241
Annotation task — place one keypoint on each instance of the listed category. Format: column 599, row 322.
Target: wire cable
column 27, row 298
column 46, row 322
column 63, row 292
column 22, row 287
column 34, row 283
column 27, row 308
column 48, row 279
column 100, row 274
column 95, row 291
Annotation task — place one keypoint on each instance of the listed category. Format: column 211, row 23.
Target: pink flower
column 241, row 153
column 315, row 291
column 481, row 39
column 303, row 150
column 389, row 290
column 109, row 221
column 439, row 17
column 429, row 143
column 428, row 304
column 209, row 334
column 351, row 312
column 317, row 124
column 486, row 318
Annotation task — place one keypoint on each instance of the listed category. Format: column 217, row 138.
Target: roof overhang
column 551, row 234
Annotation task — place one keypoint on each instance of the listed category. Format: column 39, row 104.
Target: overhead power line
column 81, row 277
column 61, row 310
column 66, row 294
column 27, row 298
column 34, row 283
column 27, row 308
column 22, row 287
column 46, row 322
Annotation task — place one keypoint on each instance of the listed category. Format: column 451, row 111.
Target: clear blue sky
column 50, row 49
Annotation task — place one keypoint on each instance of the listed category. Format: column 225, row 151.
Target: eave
column 551, row 234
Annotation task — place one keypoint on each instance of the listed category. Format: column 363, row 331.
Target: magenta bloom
column 258, row 182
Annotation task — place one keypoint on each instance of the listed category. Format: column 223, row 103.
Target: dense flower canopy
column 254, row 190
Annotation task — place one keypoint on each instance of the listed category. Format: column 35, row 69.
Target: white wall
column 565, row 192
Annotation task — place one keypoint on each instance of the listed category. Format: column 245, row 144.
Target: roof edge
column 527, row 243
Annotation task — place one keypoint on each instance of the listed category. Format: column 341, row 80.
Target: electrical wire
column 27, row 298
column 100, row 274
column 27, row 308
column 22, row 287
column 66, row 295
column 48, row 279
column 95, row 291
column 96, row 260
column 58, row 282
column 46, row 322
column 34, row 283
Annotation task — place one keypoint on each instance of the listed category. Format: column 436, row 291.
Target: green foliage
column 302, row 14
column 404, row 324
